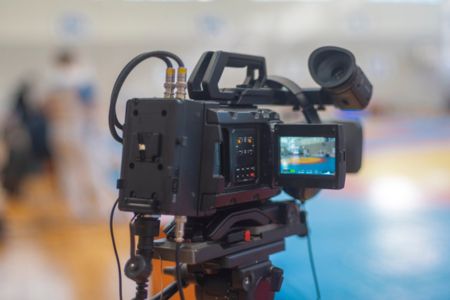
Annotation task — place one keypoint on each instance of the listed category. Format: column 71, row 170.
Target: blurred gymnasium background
column 385, row 236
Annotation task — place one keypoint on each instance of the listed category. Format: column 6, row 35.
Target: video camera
column 215, row 160
column 192, row 157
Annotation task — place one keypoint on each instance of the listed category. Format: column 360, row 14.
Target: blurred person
column 2, row 198
column 24, row 136
column 30, row 112
column 70, row 102
column 2, row 218
column 35, row 123
column 17, row 163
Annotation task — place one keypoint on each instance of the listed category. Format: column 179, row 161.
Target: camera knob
column 137, row 268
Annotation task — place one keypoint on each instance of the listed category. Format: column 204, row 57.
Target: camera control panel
column 244, row 155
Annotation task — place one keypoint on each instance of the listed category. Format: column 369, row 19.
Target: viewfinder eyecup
column 335, row 70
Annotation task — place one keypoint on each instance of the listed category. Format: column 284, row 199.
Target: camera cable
column 111, row 231
column 178, row 271
column 310, row 255
column 112, row 117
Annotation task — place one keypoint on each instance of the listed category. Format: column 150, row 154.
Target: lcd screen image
column 308, row 155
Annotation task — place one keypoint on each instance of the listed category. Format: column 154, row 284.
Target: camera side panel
column 161, row 156
column 244, row 159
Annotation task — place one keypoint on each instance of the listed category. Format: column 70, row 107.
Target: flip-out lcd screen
column 310, row 155
column 307, row 155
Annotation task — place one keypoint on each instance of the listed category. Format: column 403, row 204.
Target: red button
column 247, row 235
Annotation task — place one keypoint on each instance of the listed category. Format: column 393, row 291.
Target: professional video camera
column 214, row 162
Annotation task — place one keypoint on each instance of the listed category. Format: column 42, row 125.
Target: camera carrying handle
column 203, row 84
column 204, row 81
column 300, row 100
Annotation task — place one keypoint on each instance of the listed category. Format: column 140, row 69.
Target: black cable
column 166, row 61
column 167, row 292
column 113, row 120
column 313, row 268
column 132, row 236
column 311, row 257
column 178, row 271
column 111, row 231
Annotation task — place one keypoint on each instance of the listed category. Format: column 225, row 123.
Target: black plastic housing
column 175, row 157
column 353, row 133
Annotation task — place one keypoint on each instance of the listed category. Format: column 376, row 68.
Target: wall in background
column 399, row 45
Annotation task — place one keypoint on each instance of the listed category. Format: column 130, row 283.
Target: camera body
column 194, row 157
column 217, row 150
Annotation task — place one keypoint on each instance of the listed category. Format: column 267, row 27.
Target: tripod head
column 227, row 256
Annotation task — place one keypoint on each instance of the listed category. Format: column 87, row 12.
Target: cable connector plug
column 169, row 85
column 181, row 83
column 180, row 221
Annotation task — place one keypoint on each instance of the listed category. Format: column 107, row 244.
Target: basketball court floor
column 385, row 236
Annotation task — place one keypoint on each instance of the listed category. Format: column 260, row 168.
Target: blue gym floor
column 387, row 234
column 326, row 167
